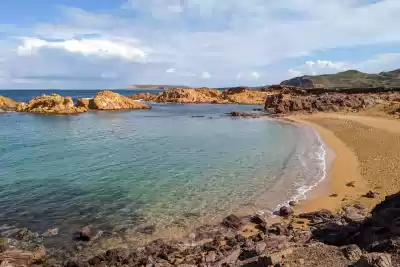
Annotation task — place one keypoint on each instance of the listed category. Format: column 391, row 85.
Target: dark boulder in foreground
column 285, row 211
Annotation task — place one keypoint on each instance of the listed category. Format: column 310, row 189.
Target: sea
column 175, row 166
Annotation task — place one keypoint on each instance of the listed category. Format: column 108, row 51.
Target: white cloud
column 256, row 75
column 206, row 75
column 316, row 67
column 170, row 70
column 230, row 39
column 86, row 47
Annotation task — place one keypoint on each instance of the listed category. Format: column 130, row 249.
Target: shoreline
column 365, row 148
column 344, row 164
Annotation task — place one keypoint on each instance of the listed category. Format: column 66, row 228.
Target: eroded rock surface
column 107, row 100
column 51, row 104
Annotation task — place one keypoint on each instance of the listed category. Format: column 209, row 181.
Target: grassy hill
column 346, row 79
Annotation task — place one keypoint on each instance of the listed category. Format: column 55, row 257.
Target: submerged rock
column 107, row 100
column 51, row 104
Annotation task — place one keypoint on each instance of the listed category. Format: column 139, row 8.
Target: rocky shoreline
column 355, row 236
column 55, row 104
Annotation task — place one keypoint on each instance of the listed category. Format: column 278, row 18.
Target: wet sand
column 367, row 153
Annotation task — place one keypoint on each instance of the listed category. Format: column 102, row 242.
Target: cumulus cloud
column 316, row 67
column 230, row 39
column 206, row 75
column 86, row 47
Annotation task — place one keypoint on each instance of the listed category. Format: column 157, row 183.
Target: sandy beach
column 366, row 154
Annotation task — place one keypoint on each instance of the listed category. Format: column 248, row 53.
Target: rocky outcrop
column 144, row 96
column 83, row 102
column 237, row 95
column 107, row 100
column 51, row 104
column 301, row 101
column 7, row 104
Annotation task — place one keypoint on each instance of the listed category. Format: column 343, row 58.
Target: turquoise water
column 128, row 169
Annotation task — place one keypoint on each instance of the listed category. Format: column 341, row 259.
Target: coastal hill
column 346, row 79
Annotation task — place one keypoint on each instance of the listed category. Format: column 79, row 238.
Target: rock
column 334, row 195
column 275, row 243
column 260, row 247
column 144, row 96
column 352, row 252
column 292, row 203
column 285, row 211
column 148, row 229
column 118, row 255
column 387, row 213
column 375, row 260
column 205, row 95
column 51, row 232
column 323, row 215
column 351, row 184
column 75, row 263
column 372, row 194
column 19, row 257
column 257, row 219
column 107, row 100
column 244, row 114
column 83, row 102
column 232, row 221
column 231, row 258
column 211, row 257
column 6, row 264
column 7, row 104
column 275, row 258
column 51, row 104
column 26, row 235
column 85, row 234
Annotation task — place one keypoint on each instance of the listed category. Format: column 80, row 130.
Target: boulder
column 387, row 213
column 83, row 102
column 352, row 252
column 244, row 114
column 144, row 96
column 51, row 104
column 7, row 104
column 372, row 194
column 107, row 100
column 375, row 260
column 232, row 221
column 285, row 211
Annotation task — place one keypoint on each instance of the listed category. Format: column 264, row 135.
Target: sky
column 75, row 44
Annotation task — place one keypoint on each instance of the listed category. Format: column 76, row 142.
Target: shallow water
column 160, row 167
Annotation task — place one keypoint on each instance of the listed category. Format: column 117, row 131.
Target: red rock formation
column 7, row 103
column 51, row 104
column 107, row 100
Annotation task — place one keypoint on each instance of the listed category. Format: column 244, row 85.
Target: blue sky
column 116, row 43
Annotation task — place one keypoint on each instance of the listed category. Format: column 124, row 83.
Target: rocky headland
column 51, row 104
column 340, row 100
column 55, row 104
column 238, row 95
column 108, row 100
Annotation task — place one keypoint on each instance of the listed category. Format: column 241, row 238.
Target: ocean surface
column 175, row 166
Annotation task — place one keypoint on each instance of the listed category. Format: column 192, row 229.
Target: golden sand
column 367, row 152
